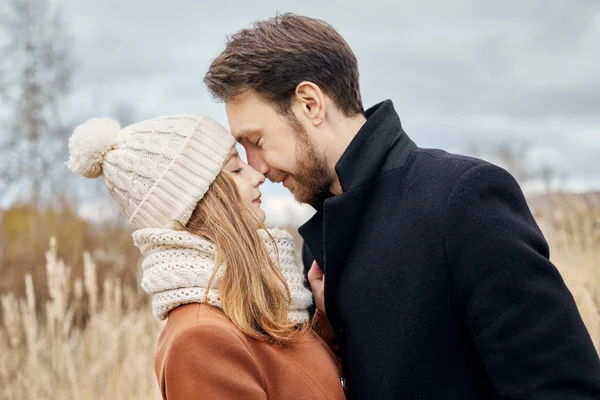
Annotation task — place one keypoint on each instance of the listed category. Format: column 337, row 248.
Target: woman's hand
column 317, row 284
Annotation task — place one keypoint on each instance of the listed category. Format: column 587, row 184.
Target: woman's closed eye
column 237, row 171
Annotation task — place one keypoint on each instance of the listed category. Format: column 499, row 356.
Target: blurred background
column 513, row 82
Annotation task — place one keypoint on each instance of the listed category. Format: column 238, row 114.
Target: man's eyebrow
column 244, row 133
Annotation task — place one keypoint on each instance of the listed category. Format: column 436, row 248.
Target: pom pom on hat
column 88, row 145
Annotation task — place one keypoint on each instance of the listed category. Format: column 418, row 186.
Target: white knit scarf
column 177, row 267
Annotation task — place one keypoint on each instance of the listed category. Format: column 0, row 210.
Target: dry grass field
column 93, row 338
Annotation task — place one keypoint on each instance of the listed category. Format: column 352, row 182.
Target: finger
column 315, row 272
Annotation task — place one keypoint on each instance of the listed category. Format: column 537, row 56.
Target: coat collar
column 379, row 146
column 366, row 156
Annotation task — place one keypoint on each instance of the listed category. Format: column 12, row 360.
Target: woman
column 231, row 291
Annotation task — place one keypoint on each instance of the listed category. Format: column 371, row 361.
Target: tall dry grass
column 571, row 224
column 93, row 340
column 93, row 337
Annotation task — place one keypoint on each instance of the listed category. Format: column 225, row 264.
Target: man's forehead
column 239, row 125
column 245, row 113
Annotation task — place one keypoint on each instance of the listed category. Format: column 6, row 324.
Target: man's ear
column 310, row 102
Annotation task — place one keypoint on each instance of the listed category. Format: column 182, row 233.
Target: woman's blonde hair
column 254, row 293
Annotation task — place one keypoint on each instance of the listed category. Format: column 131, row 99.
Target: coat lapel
column 379, row 146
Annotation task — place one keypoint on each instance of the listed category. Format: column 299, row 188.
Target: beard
column 311, row 174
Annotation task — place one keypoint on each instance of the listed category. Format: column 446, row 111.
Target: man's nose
column 257, row 162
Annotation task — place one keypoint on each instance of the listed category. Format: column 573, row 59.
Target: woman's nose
column 257, row 178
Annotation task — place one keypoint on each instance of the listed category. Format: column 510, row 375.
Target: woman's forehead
column 232, row 154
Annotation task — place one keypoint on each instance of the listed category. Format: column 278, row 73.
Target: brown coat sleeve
column 323, row 328
column 211, row 362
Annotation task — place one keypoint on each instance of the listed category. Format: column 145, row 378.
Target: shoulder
column 454, row 170
column 210, row 341
column 435, row 174
column 449, row 163
column 191, row 320
column 202, row 337
column 198, row 328
column 202, row 351
column 432, row 165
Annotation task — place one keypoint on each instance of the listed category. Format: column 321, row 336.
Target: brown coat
column 202, row 355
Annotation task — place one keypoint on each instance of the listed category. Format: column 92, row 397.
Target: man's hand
column 317, row 284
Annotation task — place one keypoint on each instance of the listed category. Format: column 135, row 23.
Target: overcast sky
column 460, row 72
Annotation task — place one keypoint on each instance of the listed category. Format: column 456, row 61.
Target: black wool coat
column 438, row 281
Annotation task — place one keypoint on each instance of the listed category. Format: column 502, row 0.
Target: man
column 436, row 277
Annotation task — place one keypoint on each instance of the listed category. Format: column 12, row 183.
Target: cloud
column 460, row 72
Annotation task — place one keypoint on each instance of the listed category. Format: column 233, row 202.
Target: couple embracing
column 425, row 275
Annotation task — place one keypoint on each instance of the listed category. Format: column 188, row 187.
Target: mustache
column 276, row 177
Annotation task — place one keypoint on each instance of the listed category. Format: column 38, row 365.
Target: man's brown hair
column 275, row 55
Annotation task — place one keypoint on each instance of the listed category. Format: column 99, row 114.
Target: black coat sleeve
column 521, row 316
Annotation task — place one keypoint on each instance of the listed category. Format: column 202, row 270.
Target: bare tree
column 35, row 72
column 548, row 175
column 514, row 157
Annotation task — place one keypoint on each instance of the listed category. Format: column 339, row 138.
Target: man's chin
column 302, row 196
column 301, row 193
column 299, row 199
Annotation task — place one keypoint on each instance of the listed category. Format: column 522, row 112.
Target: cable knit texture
column 156, row 170
column 177, row 267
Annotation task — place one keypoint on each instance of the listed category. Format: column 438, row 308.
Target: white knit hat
column 156, row 170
